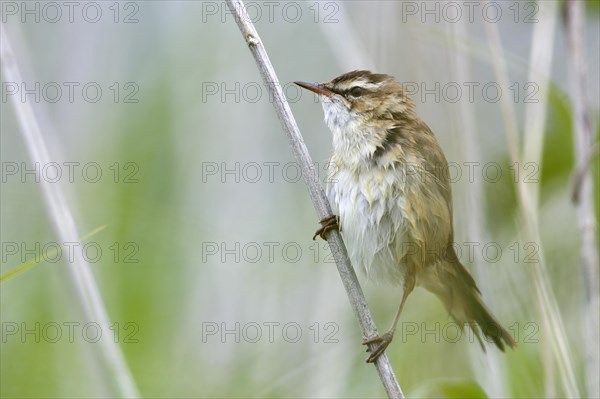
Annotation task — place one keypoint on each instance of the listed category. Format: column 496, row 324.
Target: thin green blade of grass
column 23, row 267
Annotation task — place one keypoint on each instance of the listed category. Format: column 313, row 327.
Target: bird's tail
column 463, row 300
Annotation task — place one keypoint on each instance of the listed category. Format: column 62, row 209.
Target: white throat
column 352, row 141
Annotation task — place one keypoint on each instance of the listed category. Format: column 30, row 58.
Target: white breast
column 369, row 204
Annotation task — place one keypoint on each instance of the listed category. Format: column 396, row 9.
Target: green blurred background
column 195, row 243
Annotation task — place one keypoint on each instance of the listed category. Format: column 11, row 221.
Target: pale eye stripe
column 364, row 84
column 372, row 86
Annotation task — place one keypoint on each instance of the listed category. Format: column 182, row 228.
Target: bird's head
column 360, row 108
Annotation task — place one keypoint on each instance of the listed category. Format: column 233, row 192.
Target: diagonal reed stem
column 317, row 195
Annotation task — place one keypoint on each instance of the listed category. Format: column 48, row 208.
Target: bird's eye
column 356, row 91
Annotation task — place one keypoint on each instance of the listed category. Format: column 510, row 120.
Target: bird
column 388, row 185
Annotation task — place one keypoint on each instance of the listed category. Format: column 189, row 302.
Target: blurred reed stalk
column 112, row 358
column 317, row 195
column 494, row 377
column 540, row 68
column 584, row 192
column 350, row 53
column 553, row 327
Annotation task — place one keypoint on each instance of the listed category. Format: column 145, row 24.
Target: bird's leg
column 384, row 340
column 329, row 223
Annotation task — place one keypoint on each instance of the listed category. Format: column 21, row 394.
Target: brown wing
column 410, row 136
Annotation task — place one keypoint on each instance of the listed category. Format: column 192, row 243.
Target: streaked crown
column 369, row 92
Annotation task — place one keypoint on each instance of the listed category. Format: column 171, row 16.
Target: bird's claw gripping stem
column 327, row 224
column 382, row 343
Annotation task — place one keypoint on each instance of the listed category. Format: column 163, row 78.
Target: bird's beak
column 316, row 88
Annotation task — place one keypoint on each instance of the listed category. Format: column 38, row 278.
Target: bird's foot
column 327, row 224
column 381, row 343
